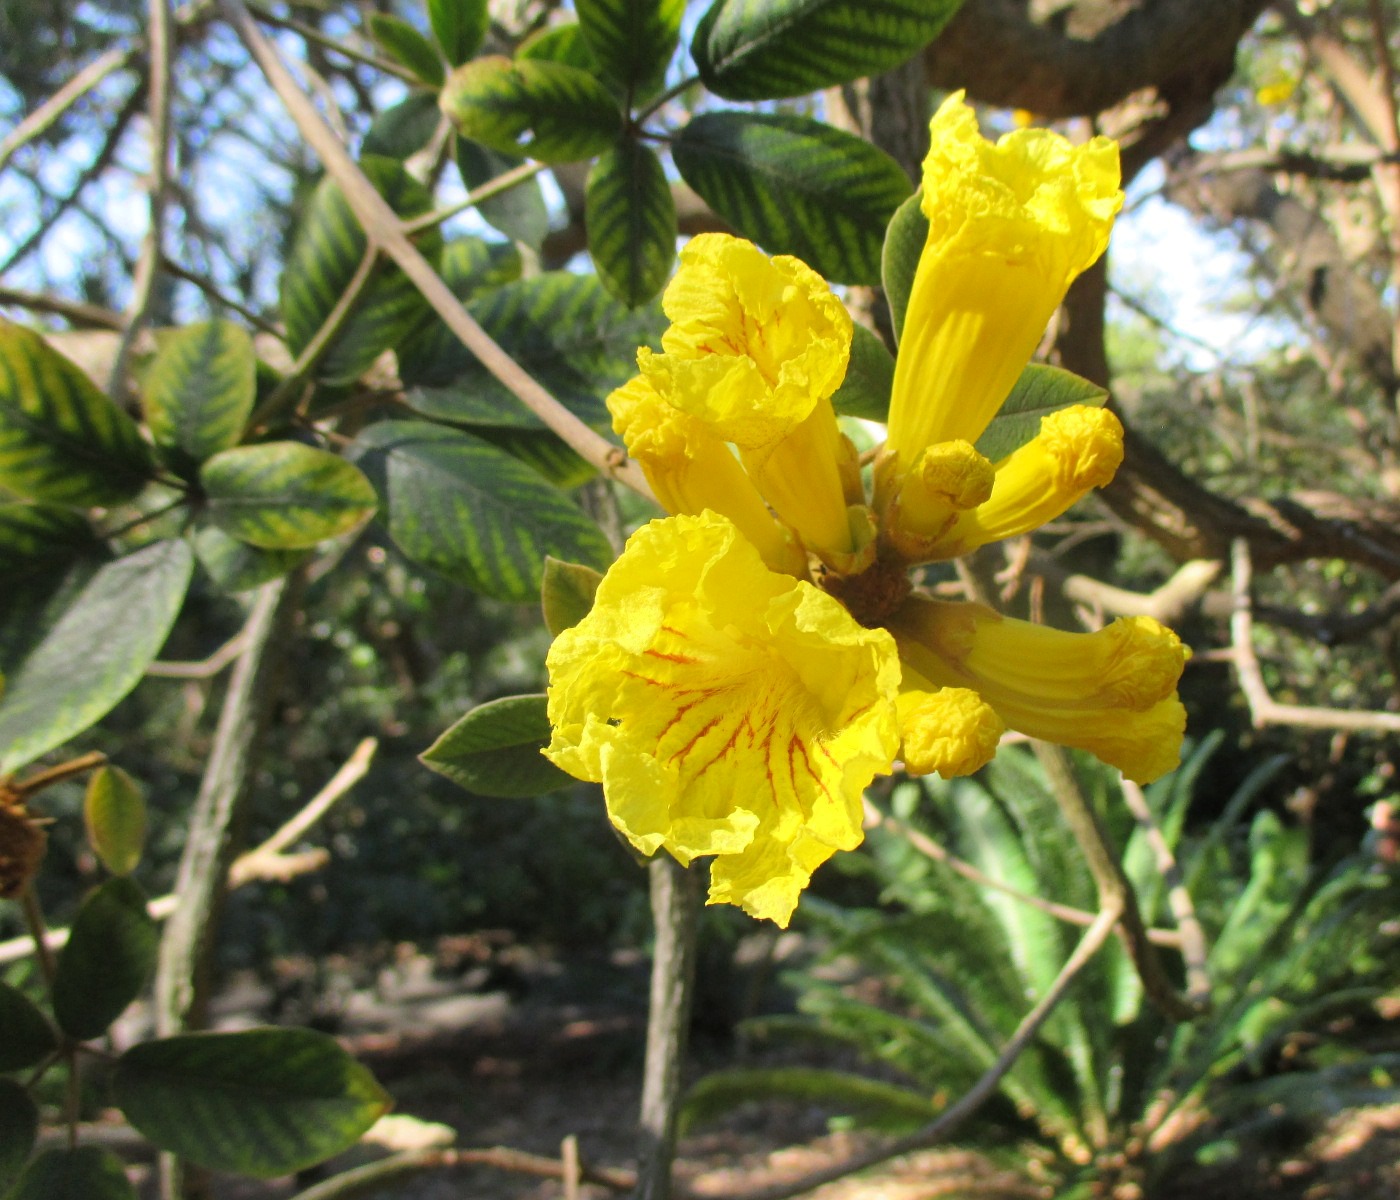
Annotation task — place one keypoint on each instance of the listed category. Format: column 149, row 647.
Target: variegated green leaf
column 865, row 391
column 567, row 593
column 796, row 186
column 114, row 812
column 109, row 956
column 404, row 128
column 768, row 49
column 456, row 504
column 82, row 1173
column 540, row 449
column 562, row 43
column 549, row 111
column 81, row 660
column 1040, row 391
column 62, row 440
column 38, row 536
column 325, row 258
column 284, row 495
column 406, row 46
column 199, row 390
column 631, row 221
column 565, row 330
column 469, row 265
column 631, row 40
column 459, row 26
column 235, row 566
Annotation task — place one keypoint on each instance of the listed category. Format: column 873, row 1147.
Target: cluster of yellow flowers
column 752, row 661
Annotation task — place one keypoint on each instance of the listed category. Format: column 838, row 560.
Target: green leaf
column 1040, row 391
column 406, row 46
column 495, row 750
column 519, row 212
column 83, row 1173
column 464, row 508
column 76, row 668
column 235, row 566
column 631, row 40
column 865, row 392
column 459, row 26
column 284, row 495
column 469, row 265
column 114, row 812
column 263, row 1102
column 404, row 128
column 631, row 221
column 566, row 113
column 565, row 330
column 325, row 258
column 769, row 49
column 562, row 43
column 795, row 186
column 899, row 259
column 29, row 1038
column 566, row 593
column 61, row 439
column 199, row 391
column 19, row 1128
column 540, row 450
column 35, row 537
column 110, row 954
column 884, row 1103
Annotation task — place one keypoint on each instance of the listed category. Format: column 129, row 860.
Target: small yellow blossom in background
column 1278, row 92
column 754, row 660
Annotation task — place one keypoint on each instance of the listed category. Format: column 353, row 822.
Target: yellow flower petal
column 691, row 470
column 726, row 710
column 1111, row 692
column 1078, row 449
column 951, row 731
column 1011, row 224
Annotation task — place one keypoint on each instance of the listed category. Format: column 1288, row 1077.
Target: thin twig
column 210, row 289
column 76, row 313
column 204, row 669
column 1263, row 708
column 52, row 109
column 38, row 936
column 160, row 58
column 384, row 228
column 1191, row 938
column 930, row 848
column 33, row 784
column 336, row 45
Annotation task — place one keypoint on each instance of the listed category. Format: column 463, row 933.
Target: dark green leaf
column 565, row 330
column 904, row 243
column 93, row 653
column 469, row 265
column 263, row 1102
column 631, row 221
column 540, row 449
column 631, row 40
column 768, row 49
column 19, row 1127
column 563, row 114
column 61, row 439
column 284, row 495
column 29, row 1038
column 562, row 43
column 38, row 536
column 566, row 593
column 84, row 1173
column 885, row 1103
column 795, row 186
column 199, row 390
column 464, row 508
column 1040, row 391
column 115, row 814
column 865, row 392
column 459, row 26
column 110, row 954
column 495, row 750
column 406, row 46
column 404, row 128
column 324, row 260
column 235, row 566
column 519, row 212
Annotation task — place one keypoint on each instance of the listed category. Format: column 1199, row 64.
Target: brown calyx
column 872, row 596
